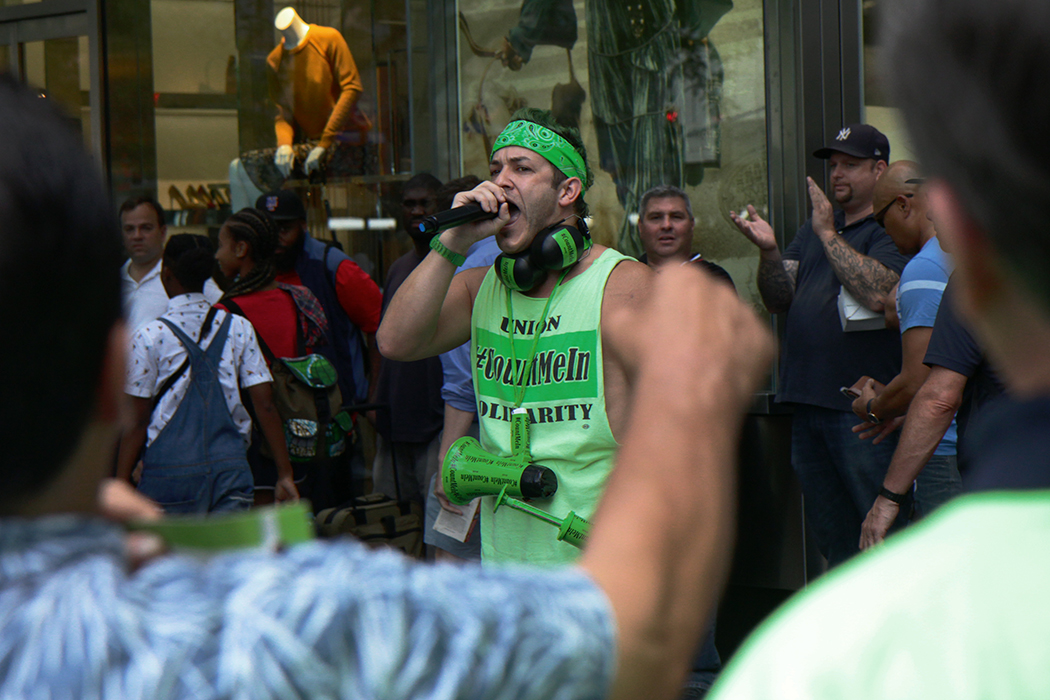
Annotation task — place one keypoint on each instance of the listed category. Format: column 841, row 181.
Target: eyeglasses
column 881, row 215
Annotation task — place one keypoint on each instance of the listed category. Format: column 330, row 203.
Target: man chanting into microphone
column 535, row 323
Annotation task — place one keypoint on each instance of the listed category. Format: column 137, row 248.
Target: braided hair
column 259, row 231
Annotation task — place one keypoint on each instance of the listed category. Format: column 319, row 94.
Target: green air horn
column 469, row 471
column 571, row 529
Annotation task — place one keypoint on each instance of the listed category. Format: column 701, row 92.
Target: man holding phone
column 901, row 205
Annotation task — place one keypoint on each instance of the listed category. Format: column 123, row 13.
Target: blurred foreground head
column 60, row 252
column 973, row 80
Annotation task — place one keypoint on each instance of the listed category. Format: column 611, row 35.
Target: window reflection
column 664, row 92
column 878, row 110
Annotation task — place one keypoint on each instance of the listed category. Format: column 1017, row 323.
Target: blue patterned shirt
column 321, row 620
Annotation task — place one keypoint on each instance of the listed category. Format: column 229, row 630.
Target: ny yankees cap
column 282, row 205
column 859, row 140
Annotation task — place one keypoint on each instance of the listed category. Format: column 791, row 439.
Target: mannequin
column 293, row 30
column 315, row 84
column 291, row 26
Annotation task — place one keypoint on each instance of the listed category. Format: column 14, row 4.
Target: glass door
column 52, row 45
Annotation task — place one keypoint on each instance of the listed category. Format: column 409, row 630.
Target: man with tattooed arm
column 844, row 249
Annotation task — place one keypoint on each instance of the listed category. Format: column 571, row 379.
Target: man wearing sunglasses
column 901, row 207
column 833, row 251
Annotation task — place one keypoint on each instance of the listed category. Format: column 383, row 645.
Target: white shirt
column 156, row 354
column 146, row 299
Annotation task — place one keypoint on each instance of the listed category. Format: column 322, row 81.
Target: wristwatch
column 872, row 418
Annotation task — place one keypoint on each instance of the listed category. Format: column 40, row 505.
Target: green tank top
column 565, row 399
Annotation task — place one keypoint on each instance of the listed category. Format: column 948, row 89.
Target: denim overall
column 197, row 464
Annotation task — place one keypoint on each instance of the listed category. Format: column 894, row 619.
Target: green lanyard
column 519, row 388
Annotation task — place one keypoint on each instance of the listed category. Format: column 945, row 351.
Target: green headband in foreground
column 548, row 144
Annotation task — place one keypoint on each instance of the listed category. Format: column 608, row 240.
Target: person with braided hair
column 288, row 321
column 185, row 373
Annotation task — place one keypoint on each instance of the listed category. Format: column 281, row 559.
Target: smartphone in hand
column 849, row 392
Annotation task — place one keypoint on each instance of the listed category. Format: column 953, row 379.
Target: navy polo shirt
column 952, row 347
column 1010, row 446
column 817, row 356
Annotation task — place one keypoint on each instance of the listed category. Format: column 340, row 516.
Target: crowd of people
column 628, row 380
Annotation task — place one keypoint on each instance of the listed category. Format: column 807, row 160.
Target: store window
column 48, row 46
column 878, row 109
column 663, row 91
column 313, row 96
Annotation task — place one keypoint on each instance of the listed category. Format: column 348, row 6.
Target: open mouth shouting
column 513, row 211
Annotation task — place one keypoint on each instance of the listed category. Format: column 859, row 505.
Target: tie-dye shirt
column 320, row 620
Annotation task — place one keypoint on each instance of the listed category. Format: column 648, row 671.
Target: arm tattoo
column 865, row 278
column 776, row 283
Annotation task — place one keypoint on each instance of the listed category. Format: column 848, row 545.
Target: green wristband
column 441, row 249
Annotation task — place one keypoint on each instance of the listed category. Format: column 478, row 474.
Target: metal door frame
column 55, row 19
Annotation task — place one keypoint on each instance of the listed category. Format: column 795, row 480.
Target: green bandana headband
column 548, row 144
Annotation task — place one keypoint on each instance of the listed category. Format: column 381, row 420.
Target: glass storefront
column 877, row 108
column 664, row 93
column 50, row 46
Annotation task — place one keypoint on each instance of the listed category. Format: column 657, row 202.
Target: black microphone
column 451, row 218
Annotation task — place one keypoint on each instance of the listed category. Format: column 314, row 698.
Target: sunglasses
column 881, row 215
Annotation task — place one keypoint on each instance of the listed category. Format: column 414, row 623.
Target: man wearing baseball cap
column 843, row 250
column 351, row 301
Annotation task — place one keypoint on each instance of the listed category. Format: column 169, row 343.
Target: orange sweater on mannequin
column 315, row 86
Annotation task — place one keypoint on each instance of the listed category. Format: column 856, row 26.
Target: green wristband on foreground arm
column 272, row 528
column 441, row 249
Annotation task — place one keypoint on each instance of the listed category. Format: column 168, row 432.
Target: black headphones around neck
column 555, row 248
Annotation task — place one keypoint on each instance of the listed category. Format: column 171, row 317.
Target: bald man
column 900, row 206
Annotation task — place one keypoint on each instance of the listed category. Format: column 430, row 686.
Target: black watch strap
column 897, row 498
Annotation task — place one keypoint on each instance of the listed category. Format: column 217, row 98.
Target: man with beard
column 409, row 430
column 849, row 251
column 351, row 302
column 537, row 327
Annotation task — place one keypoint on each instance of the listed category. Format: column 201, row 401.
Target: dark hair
column 571, row 134
column 973, row 80
column 191, row 259
column 258, row 229
column 450, row 189
column 60, row 253
column 135, row 202
column 664, row 192
column 425, row 180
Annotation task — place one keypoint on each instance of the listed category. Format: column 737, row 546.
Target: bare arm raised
column 430, row 313
column 700, row 354
column 776, row 276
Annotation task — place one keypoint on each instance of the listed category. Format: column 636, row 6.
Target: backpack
column 307, row 397
column 377, row 520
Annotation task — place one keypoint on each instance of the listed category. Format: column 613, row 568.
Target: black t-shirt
column 817, row 356
column 1010, row 446
column 412, row 390
column 953, row 347
column 717, row 271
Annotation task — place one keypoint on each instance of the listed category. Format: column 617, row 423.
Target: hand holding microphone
column 481, row 212
column 457, row 216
